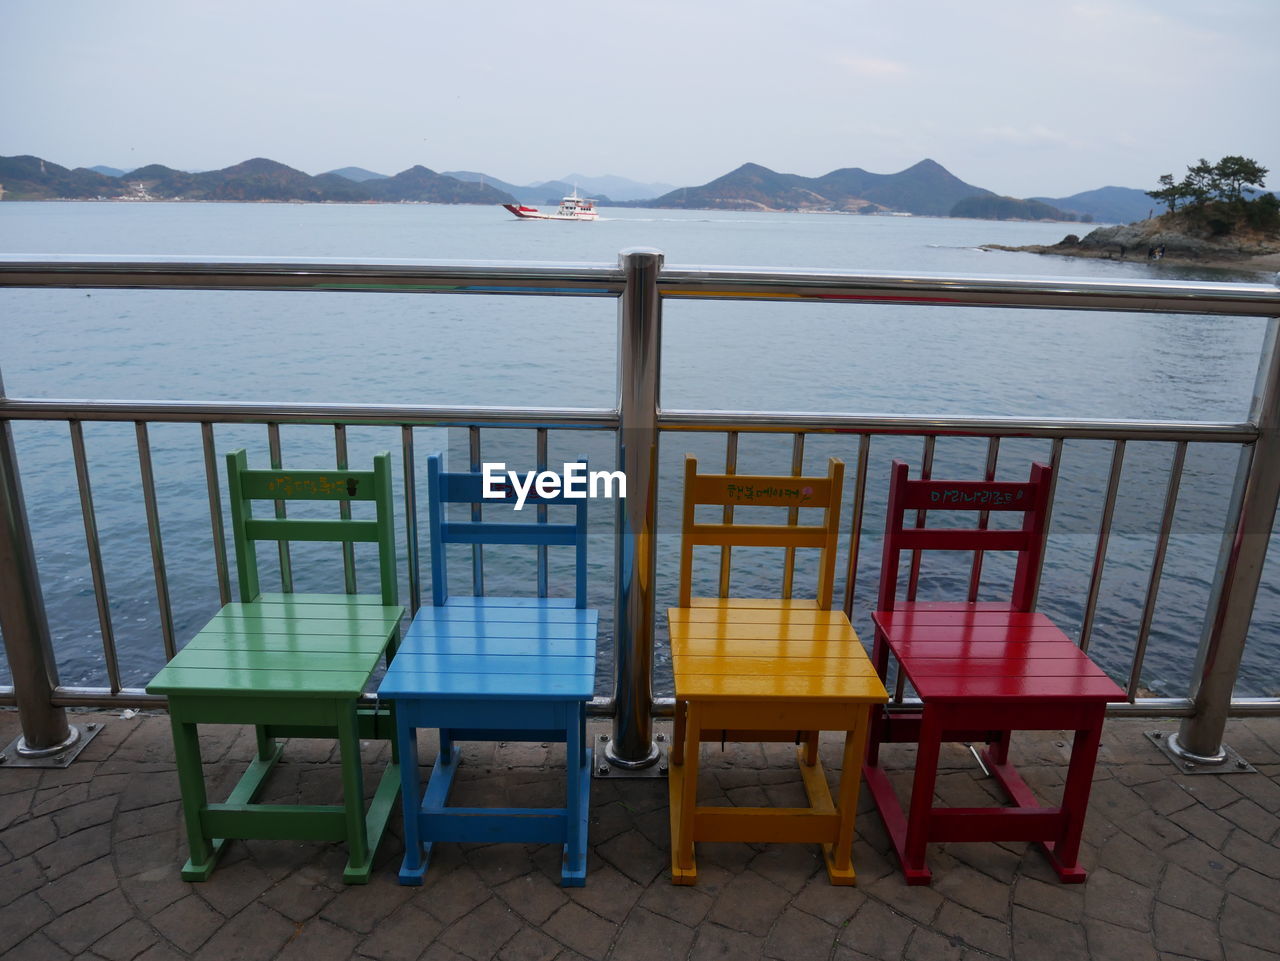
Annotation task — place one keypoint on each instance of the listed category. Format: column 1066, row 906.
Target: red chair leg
column 875, row 733
column 1065, row 851
column 912, row 852
column 999, row 749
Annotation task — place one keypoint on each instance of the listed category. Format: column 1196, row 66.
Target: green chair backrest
column 247, row 486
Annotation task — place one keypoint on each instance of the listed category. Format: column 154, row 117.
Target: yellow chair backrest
column 744, row 490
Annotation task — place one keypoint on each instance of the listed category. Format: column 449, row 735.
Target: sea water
column 348, row 348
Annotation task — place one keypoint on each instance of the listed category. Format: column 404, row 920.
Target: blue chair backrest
column 467, row 487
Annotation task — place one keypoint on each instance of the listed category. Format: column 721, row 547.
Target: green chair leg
column 204, row 851
column 359, row 856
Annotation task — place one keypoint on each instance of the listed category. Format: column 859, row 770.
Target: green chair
column 292, row 665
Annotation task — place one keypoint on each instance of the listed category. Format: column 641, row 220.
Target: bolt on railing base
column 615, row 768
column 1228, row 763
column 16, row 754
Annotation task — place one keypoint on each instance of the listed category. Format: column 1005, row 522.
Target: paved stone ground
column 1180, row 867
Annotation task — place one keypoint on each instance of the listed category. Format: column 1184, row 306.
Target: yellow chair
column 776, row 669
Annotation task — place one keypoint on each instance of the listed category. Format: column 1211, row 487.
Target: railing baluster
column 95, row 557
column 157, row 544
column 855, row 526
column 215, row 513
column 926, row 471
column 477, row 514
column 1055, row 465
column 793, row 517
column 541, row 457
column 344, row 509
column 1157, row 565
column 913, row 582
column 984, row 517
column 1104, row 537
column 730, row 467
column 411, row 520
column 277, row 463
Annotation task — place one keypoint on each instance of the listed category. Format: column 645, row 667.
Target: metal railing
column 642, row 284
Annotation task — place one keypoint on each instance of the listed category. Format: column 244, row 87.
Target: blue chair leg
column 413, row 866
column 573, row 873
column 437, row 795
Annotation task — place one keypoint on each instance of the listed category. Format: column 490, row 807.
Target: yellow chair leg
column 682, row 781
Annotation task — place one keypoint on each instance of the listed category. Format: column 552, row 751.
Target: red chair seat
column 965, row 653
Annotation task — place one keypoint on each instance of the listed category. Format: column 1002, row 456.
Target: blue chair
column 483, row 668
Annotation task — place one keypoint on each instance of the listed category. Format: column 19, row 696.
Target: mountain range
column 926, row 188
column 604, row 190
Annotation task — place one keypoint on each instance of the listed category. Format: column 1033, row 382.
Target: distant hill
column 474, row 177
column 619, row 188
column 358, row 174
column 1008, row 208
column 419, row 183
column 336, row 188
column 31, row 178
column 259, row 179
column 926, row 188
column 1111, row 205
column 550, row 192
column 106, row 171
column 750, row 187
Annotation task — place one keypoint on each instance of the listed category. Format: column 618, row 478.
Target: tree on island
column 1205, row 182
column 1213, row 196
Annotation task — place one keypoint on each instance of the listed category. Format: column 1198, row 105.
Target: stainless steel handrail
column 641, row 284
column 746, row 421
column 369, row 415
column 605, row 280
column 737, row 283
column 274, row 273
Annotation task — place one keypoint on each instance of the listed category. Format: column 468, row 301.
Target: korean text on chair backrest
column 1031, row 498
column 742, row 490
column 467, row 487
column 246, row 486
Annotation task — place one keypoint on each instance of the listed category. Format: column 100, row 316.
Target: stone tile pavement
column 1180, row 867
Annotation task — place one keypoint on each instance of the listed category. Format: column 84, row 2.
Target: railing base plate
column 10, row 756
column 1231, row 763
column 616, row 772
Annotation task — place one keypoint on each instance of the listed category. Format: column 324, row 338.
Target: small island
column 1214, row 219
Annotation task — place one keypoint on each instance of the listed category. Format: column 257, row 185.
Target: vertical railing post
column 1250, row 515
column 23, row 620
column 639, row 359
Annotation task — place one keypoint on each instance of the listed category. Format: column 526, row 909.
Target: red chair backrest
column 1031, row 498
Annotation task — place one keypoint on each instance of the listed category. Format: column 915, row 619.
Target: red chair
column 982, row 669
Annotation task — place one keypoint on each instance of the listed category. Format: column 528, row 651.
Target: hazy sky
column 1022, row 97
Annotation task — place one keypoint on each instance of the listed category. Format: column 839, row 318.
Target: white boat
column 571, row 208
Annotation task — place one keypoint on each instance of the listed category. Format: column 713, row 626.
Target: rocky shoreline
column 1154, row 241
